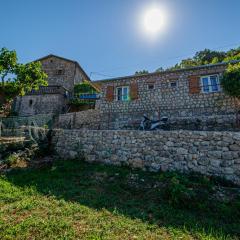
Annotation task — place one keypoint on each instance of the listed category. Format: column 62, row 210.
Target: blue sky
column 105, row 36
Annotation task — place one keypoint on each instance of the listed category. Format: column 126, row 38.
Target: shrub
column 12, row 159
column 186, row 191
column 84, row 87
column 231, row 80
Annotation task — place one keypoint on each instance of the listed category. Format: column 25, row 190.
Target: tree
column 161, row 69
column 30, row 76
column 22, row 78
column 231, row 80
column 208, row 56
column 141, row 72
column 8, row 62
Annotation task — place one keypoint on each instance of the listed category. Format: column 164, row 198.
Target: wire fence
column 18, row 126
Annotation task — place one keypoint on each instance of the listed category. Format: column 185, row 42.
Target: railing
column 48, row 90
column 87, row 96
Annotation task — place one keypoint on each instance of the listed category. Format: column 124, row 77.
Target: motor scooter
column 148, row 124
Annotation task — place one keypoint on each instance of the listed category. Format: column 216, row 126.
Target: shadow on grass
column 132, row 193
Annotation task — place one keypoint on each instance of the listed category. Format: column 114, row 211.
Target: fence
column 14, row 126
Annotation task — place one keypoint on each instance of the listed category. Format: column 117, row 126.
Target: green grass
column 76, row 200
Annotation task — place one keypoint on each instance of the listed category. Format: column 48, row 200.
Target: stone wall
column 89, row 119
column 30, row 105
column 210, row 153
column 177, row 103
column 61, row 72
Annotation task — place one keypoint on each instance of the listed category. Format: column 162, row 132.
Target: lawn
column 77, row 200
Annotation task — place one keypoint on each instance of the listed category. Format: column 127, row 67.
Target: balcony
column 48, row 90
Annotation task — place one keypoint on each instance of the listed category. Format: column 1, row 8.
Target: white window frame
column 210, row 87
column 122, row 95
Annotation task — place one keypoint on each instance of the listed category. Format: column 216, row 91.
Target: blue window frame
column 122, row 93
column 210, row 84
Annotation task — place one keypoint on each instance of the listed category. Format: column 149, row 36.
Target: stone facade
column 156, row 96
column 210, row 153
column 30, row 105
column 89, row 119
column 62, row 73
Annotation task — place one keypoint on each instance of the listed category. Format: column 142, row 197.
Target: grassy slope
column 75, row 200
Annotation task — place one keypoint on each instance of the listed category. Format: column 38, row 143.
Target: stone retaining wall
column 210, row 153
column 89, row 119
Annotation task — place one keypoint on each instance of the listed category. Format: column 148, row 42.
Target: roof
column 99, row 82
column 68, row 60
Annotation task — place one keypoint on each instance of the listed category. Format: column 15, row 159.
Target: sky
column 107, row 37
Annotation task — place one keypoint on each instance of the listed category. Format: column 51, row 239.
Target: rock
column 182, row 151
column 215, row 162
column 73, row 154
column 234, row 147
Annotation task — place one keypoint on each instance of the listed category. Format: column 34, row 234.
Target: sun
column 153, row 20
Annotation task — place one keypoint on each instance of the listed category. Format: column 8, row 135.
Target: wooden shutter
column 194, row 84
column 133, row 91
column 110, row 93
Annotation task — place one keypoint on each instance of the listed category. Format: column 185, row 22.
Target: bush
column 186, row 191
column 231, row 81
column 84, row 87
column 12, row 159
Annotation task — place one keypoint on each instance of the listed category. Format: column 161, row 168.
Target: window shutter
column 134, row 91
column 110, row 93
column 194, row 84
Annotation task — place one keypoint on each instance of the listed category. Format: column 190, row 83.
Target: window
column 122, row 93
column 59, row 72
column 150, row 86
column 210, row 83
column 173, row 84
column 30, row 102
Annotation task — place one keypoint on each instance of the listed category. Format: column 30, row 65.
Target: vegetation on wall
column 231, row 80
column 17, row 78
column 82, row 88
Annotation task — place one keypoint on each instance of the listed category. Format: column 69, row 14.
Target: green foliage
column 30, row 76
column 207, row 56
column 84, row 87
column 231, row 80
column 12, row 159
column 21, row 77
column 189, row 191
column 141, row 72
column 9, row 90
column 100, row 202
column 8, row 62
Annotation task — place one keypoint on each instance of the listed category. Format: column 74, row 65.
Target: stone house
column 63, row 74
column 188, row 97
column 191, row 96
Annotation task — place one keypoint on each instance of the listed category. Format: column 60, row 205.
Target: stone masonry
column 178, row 102
column 89, row 119
column 209, row 153
column 62, row 73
